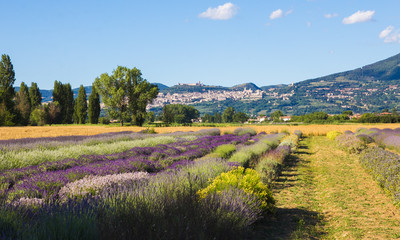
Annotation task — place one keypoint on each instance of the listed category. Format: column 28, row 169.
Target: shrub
column 94, row 184
column 292, row 141
column 365, row 138
column 243, row 131
column 350, row 143
column 298, row 133
column 268, row 169
column 246, row 179
column 166, row 207
column 348, row 132
column 333, row 134
column 384, row 166
column 149, row 131
column 104, row 120
column 224, row 151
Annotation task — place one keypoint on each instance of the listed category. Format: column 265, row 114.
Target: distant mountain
column 161, row 86
column 371, row 88
column 243, row 86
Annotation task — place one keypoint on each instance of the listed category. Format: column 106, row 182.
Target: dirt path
column 324, row 193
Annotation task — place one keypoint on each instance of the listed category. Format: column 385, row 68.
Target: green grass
column 324, row 193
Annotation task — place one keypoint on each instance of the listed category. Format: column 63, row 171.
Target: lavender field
column 378, row 150
column 128, row 185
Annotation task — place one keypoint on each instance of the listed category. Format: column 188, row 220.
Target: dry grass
column 324, row 193
column 53, row 131
column 353, row 205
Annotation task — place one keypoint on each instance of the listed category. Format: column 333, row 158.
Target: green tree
column 53, row 111
column 39, row 116
column 141, row 93
column 178, row 113
column 35, row 96
column 62, row 93
column 59, row 97
column 276, row 116
column 94, row 106
column 228, row 114
column 114, row 92
column 125, row 93
column 150, row 117
column 80, row 109
column 23, row 105
column 7, row 92
column 348, row 113
column 207, row 118
column 69, row 104
column 240, row 117
column 217, row 117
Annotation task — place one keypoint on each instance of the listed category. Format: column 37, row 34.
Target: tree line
column 124, row 93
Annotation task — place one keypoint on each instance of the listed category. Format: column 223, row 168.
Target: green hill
column 243, row 86
column 371, row 88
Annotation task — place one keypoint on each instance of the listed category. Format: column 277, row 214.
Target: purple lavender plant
column 384, row 166
column 45, row 180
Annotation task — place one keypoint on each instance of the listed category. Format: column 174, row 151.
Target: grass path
column 324, row 193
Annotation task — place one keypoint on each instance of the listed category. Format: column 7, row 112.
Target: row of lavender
column 55, row 149
column 46, row 179
column 374, row 147
column 126, row 204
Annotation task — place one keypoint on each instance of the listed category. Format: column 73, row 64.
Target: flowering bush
column 292, row 141
column 243, row 131
column 333, row 134
column 350, row 143
column 298, row 133
column 246, row 155
column 246, row 179
column 94, row 184
column 384, row 166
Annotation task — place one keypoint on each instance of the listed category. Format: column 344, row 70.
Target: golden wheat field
column 53, row 131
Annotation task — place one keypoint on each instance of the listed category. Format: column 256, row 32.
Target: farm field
column 54, row 131
column 139, row 186
column 324, row 193
column 244, row 184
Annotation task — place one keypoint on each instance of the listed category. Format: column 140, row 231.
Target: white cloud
column 222, row 12
column 308, row 24
column 329, row 15
column 390, row 35
column 386, row 32
column 289, row 12
column 276, row 14
column 358, row 17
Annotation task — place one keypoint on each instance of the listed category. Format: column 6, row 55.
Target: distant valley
column 367, row 89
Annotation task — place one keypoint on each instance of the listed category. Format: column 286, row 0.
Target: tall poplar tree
column 7, row 92
column 35, row 95
column 80, row 111
column 23, row 105
column 62, row 93
column 69, row 104
column 94, row 106
column 59, row 98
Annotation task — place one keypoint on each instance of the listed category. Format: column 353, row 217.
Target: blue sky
column 215, row 42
